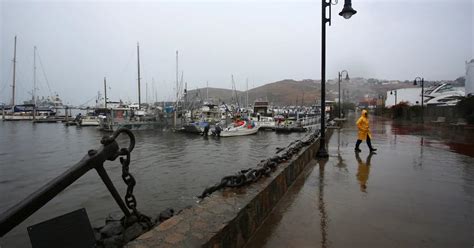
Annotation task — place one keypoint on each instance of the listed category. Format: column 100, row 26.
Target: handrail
column 93, row 160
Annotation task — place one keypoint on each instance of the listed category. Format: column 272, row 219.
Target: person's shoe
column 357, row 150
column 373, row 150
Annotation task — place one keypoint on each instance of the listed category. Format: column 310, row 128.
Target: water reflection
column 363, row 171
column 444, row 137
column 321, row 205
column 340, row 161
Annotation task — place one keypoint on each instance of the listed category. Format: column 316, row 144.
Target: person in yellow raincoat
column 364, row 131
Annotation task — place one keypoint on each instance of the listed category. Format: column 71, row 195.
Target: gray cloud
column 265, row 41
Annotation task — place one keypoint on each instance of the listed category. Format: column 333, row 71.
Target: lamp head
column 414, row 82
column 347, row 11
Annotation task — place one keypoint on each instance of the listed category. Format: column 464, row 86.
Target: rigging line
column 44, row 73
column 130, row 58
column 90, row 99
column 9, row 75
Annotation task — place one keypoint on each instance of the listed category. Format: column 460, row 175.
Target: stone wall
column 228, row 218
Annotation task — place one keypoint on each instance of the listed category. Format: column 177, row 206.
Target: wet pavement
column 416, row 191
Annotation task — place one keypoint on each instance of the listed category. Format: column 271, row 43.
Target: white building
column 410, row 95
column 469, row 85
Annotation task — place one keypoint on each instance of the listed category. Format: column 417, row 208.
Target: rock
column 111, row 229
column 133, row 232
column 113, row 217
column 97, row 234
column 113, row 242
column 165, row 214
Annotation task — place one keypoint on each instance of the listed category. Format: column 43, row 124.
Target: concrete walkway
column 414, row 192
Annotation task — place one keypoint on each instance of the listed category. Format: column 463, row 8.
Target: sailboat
column 132, row 117
column 17, row 112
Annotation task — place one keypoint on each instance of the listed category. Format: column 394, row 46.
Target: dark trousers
column 369, row 144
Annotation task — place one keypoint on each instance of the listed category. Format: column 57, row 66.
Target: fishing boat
column 124, row 117
column 209, row 115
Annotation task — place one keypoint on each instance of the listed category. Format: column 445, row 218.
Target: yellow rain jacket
column 363, row 126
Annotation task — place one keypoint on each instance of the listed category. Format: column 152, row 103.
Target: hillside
column 285, row 92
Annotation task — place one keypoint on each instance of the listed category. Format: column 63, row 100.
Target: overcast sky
column 80, row 42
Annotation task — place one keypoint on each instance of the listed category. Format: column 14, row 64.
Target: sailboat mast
column 176, row 109
column 14, row 71
column 34, row 83
column 177, row 87
column 247, row 100
column 34, row 75
column 105, row 93
column 154, row 89
column 138, row 60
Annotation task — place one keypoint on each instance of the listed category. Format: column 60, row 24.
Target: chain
column 264, row 168
column 125, row 158
column 129, row 198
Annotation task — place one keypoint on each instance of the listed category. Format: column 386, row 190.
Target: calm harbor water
column 171, row 169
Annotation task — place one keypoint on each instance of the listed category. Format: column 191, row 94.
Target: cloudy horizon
column 81, row 42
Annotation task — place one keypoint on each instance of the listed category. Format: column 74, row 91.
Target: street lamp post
column 346, row 12
column 391, row 93
column 339, row 88
column 422, row 80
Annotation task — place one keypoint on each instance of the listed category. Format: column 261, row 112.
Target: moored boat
column 240, row 128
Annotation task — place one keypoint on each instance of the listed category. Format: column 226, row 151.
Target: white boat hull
column 17, row 117
column 238, row 131
column 89, row 122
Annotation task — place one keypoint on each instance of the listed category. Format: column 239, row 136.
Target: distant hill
column 285, row 92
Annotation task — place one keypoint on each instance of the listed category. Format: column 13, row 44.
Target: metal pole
column 322, row 153
column 67, row 115
column 422, row 92
column 339, row 94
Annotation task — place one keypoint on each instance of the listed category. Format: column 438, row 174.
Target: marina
column 172, row 168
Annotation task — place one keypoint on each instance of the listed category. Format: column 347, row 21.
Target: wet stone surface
column 417, row 191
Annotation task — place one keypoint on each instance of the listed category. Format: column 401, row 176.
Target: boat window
column 445, row 88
